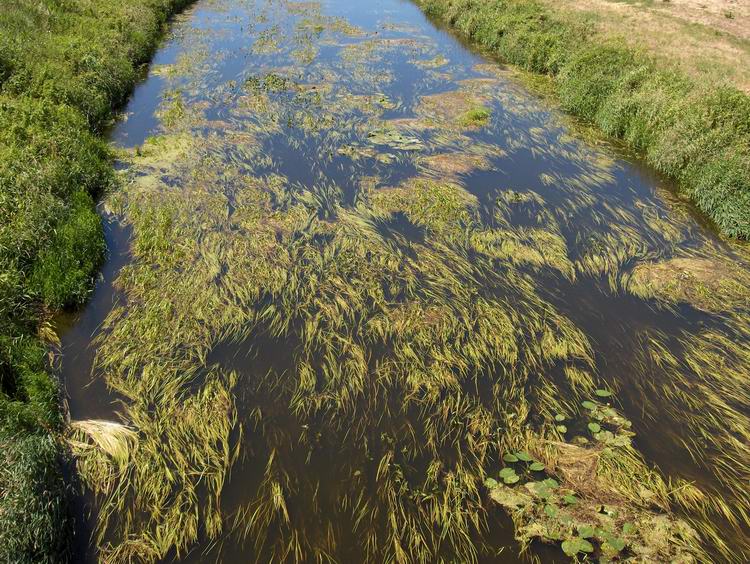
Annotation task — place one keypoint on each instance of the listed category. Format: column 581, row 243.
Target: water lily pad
column 490, row 483
column 510, row 458
column 594, row 427
column 559, row 418
column 616, row 543
column 550, row 510
column 603, row 393
column 585, row 531
column 511, row 479
column 551, row 483
column 524, row 456
column 589, row 404
column 505, row 472
column 536, row 466
column 570, row 499
column 562, row 428
column 573, row 546
column 540, row 489
column 395, row 140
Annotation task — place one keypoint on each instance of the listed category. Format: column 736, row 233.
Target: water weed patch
column 330, row 263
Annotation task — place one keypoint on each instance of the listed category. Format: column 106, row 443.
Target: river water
column 370, row 259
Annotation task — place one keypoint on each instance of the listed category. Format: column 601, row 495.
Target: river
column 353, row 262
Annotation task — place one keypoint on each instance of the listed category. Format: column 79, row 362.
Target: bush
column 61, row 275
column 34, row 521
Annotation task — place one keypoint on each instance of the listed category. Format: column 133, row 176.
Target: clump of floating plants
column 593, row 494
column 705, row 280
column 398, row 324
column 462, row 108
column 475, row 117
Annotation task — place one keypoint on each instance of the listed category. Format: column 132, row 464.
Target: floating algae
column 331, row 265
column 454, row 164
column 436, row 62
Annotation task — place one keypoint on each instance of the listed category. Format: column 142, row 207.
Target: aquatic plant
column 475, row 117
column 361, row 301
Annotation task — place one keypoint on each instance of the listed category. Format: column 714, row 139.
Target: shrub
column 34, row 521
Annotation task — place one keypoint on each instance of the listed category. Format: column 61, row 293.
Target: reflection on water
column 353, row 264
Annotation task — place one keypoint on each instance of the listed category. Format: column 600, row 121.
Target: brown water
column 353, row 94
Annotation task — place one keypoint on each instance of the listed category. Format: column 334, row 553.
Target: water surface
column 281, row 158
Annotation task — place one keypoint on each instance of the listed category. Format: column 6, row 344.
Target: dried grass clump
column 709, row 283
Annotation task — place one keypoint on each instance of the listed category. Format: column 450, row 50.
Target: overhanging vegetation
column 64, row 67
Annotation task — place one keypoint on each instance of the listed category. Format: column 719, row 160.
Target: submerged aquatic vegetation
column 315, row 279
column 447, row 165
column 461, row 108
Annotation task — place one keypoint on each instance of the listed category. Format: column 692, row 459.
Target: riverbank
column 64, row 69
column 669, row 107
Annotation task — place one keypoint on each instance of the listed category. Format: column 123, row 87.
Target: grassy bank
column 65, row 65
column 694, row 131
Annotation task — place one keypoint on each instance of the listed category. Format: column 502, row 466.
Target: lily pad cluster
column 606, row 424
column 524, row 462
column 395, row 140
column 555, row 513
column 546, row 510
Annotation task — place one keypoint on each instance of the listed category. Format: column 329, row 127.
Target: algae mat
column 372, row 299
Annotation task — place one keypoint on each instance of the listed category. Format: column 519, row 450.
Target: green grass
column 65, row 65
column 475, row 117
column 697, row 134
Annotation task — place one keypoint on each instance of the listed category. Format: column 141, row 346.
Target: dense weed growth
column 319, row 273
column 698, row 134
column 64, row 67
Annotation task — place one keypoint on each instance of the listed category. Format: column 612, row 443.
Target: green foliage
column 477, row 116
column 61, row 274
column 34, row 522
column 28, row 398
column 64, row 67
column 696, row 133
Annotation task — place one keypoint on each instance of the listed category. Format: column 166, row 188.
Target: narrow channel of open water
column 398, row 57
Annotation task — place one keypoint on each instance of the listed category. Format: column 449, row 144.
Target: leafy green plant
column 475, row 117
